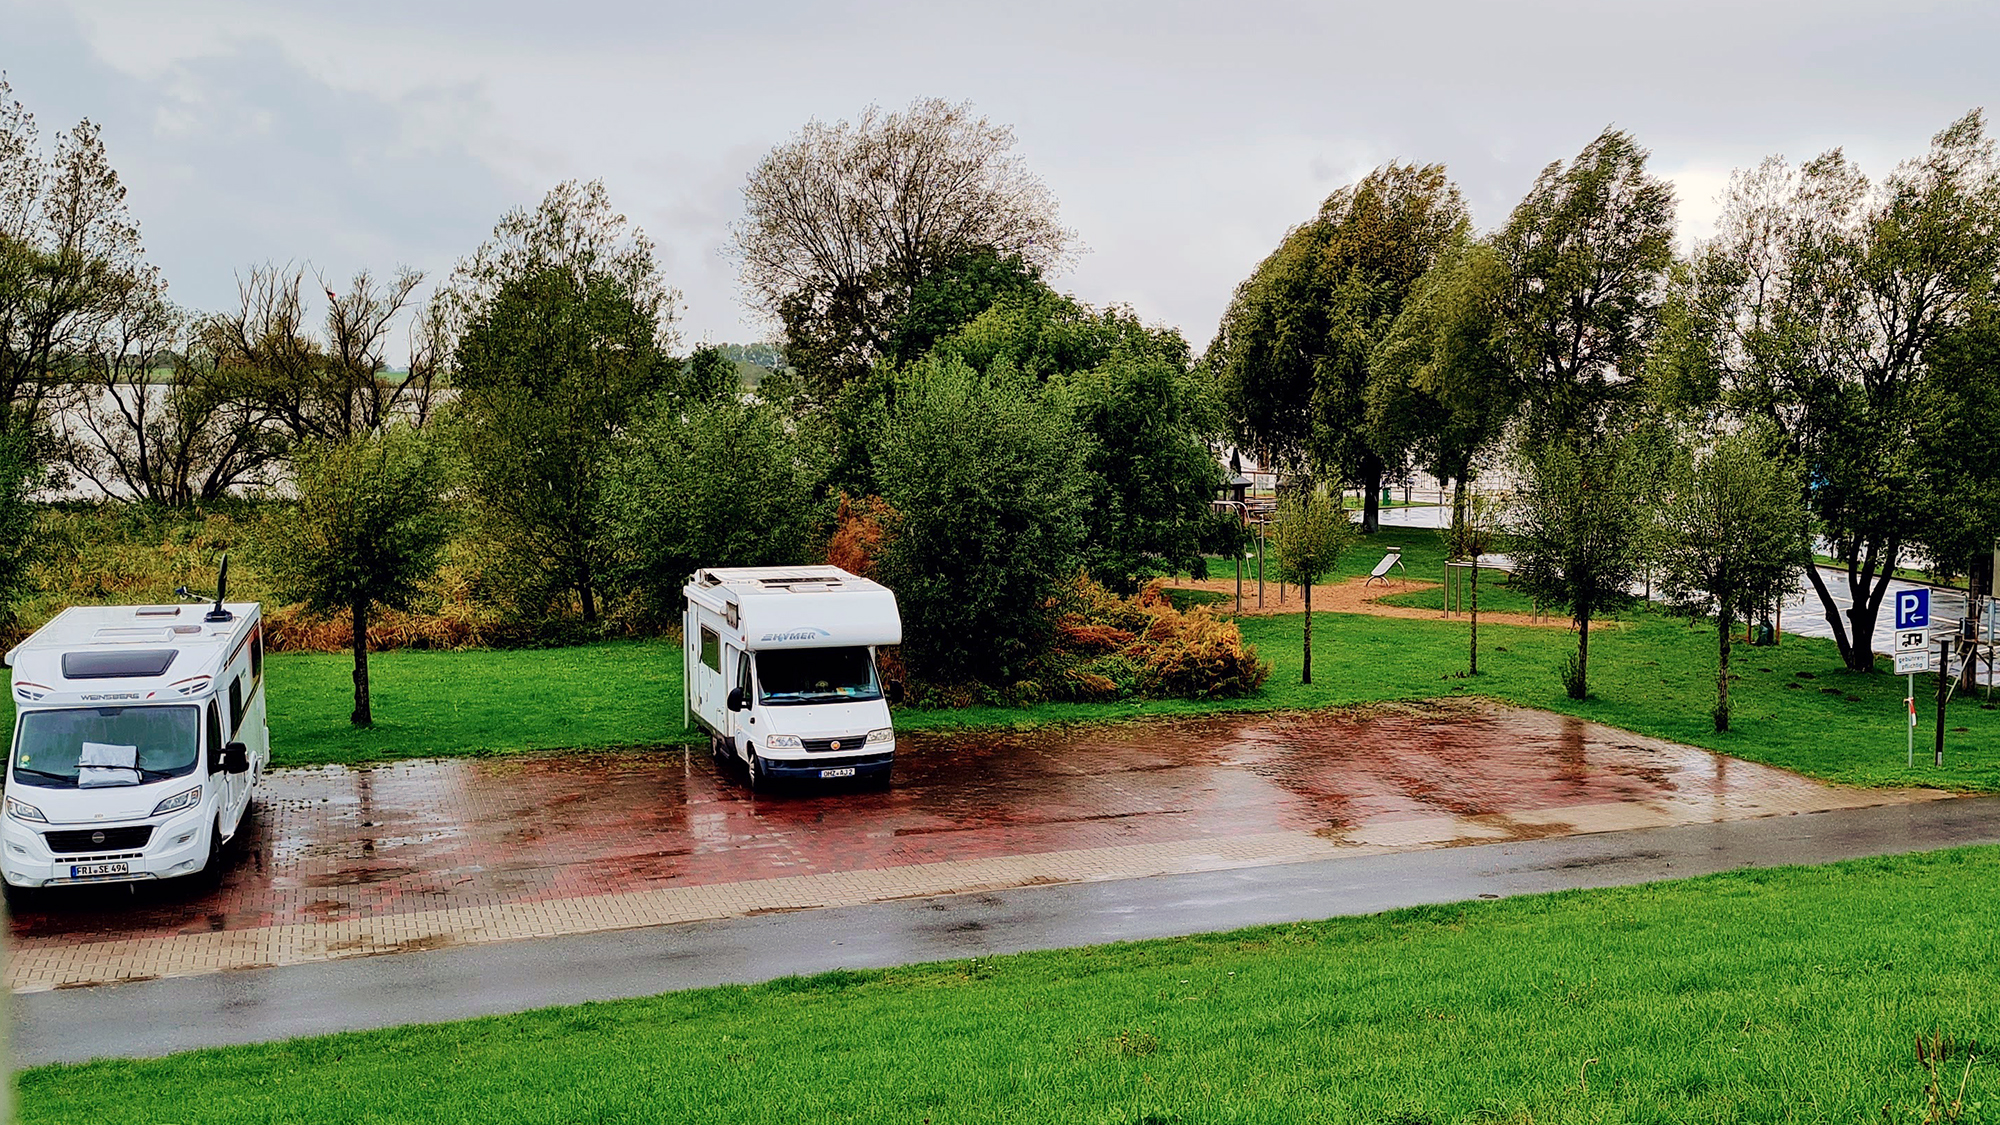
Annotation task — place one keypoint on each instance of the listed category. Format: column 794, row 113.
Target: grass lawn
column 1795, row 706
column 1790, row 994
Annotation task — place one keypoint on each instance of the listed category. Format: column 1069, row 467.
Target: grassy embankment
column 1792, row 994
column 1795, row 706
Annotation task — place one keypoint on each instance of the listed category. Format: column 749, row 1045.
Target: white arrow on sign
column 1911, row 641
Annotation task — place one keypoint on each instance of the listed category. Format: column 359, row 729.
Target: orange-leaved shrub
column 1111, row 647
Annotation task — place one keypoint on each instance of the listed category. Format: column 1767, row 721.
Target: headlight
column 21, row 810
column 783, row 742
column 882, row 735
column 179, row 801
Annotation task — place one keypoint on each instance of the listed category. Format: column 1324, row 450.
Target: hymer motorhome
column 139, row 734
column 781, row 670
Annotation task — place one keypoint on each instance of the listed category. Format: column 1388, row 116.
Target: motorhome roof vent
column 120, row 665
column 157, row 611
column 801, row 581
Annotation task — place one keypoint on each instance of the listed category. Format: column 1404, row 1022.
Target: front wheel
column 760, row 779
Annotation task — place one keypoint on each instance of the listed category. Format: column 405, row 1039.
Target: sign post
column 1913, row 618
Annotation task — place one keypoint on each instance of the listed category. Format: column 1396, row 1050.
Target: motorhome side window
column 214, row 738
column 743, row 673
column 257, row 655
column 236, row 704
column 711, row 649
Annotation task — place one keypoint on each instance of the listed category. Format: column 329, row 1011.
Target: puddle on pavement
column 340, row 843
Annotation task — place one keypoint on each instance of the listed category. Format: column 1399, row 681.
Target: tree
column 172, row 441
column 1574, row 532
column 1144, row 411
column 1823, row 307
column 1307, row 538
column 562, row 327
column 844, row 224
column 1476, row 528
column 715, row 482
column 69, row 255
column 1442, row 382
column 333, row 384
column 367, row 529
column 1586, row 255
column 19, row 474
column 1293, row 348
column 1733, row 536
column 990, row 518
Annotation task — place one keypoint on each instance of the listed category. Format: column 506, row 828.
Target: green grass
column 1650, row 673
column 1779, row 995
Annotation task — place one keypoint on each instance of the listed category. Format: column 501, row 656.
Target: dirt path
column 1355, row 595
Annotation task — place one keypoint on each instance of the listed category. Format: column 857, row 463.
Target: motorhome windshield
column 88, row 747
column 817, row 675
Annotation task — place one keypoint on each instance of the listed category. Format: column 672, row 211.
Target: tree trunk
column 1475, row 616
column 1581, row 686
column 1722, row 625
column 1854, row 630
column 1371, row 499
column 584, row 590
column 1458, row 502
column 1309, row 634
column 362, row 716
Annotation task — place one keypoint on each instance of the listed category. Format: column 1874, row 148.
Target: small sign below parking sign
column 1913, row 608
column 1909, row 663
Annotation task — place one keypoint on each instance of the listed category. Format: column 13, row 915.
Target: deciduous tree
column 1732, row 535
column 1586, row 255
column 1574, row 532
column 1821, row 307
column 989, row 518
column 562, row 327
column 845, row 224
column 1293, row 349
column 366, row 529
column 1307, row 538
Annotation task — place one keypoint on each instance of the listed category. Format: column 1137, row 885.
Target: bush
column 1109, row 647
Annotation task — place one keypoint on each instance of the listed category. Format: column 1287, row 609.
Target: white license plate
column 87, row 870
column 840, row 771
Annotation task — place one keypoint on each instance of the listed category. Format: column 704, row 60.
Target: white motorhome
column 781, row 670
column 139, row 734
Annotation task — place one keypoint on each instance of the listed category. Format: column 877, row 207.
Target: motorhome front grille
column 100, row 839
column 845, row 744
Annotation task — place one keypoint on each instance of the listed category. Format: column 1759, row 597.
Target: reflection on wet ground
column 338, row 844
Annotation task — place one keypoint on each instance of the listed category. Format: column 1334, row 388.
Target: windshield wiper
column 71, row 778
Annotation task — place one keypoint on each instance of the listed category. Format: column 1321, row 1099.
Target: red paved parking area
column 337, row 844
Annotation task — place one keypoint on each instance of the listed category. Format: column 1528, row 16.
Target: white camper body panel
column 793, row 640
column 181, row 690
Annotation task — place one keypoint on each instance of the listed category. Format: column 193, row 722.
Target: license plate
column 840, row 771
column 87, row 870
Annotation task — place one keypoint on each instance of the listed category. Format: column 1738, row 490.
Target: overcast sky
column 1182, row 139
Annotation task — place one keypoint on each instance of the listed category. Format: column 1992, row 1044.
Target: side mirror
column 236, row 758
column 736, row 701
column 895, row 691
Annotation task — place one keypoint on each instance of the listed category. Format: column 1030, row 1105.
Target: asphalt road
column 162, row 1016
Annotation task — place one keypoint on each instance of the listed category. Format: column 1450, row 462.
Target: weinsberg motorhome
column 781, row 670
column 138, row 738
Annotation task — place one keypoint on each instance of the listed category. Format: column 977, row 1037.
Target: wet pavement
column 428, row 855
column 162, row 1016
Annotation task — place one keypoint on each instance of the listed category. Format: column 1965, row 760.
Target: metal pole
column 1239, row 582
column 1944, row 672
column 1260, row 566
column 1910, row 705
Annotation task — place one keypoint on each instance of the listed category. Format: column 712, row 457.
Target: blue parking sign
column 1913, row 608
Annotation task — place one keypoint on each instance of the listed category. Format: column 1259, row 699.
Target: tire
column 759, row 780
column 209, row 878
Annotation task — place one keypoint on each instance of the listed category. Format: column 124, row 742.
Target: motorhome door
column 739, row 728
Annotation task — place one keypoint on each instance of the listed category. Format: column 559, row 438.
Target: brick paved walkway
column 423, row 855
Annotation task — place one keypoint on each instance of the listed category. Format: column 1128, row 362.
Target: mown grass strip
column 1790, row 994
